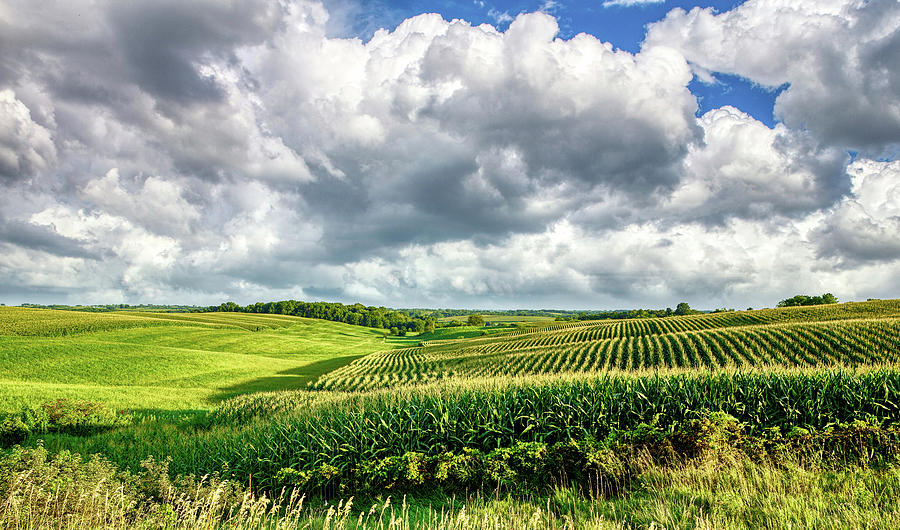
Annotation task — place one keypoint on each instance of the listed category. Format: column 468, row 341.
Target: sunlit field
column 729, row 420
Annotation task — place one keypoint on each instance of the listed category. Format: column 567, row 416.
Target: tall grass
column 39, row 490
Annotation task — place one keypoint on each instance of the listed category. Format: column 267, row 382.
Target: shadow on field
column 293, row 379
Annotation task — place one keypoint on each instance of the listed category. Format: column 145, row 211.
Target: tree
column 230, row 307
column 802, row 299
column 683, row 309
column 475, row 320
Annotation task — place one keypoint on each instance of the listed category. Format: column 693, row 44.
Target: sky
column 472, row 154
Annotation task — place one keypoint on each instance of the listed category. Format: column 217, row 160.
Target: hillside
column 167, row 360
column 842, row 334
column 761, row 397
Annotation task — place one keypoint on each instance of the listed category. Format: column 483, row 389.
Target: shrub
column 63, row 416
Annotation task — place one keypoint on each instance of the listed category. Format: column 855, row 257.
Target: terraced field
column 846, row 334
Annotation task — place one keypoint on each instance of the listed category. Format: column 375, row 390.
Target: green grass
column 168, row 361
column 59, row 491
column 460, row 332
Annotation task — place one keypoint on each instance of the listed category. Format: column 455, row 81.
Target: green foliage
column 475, row 320
column 611, row 464
column 41, row 490
column 356, row 314
column 59, row 416
column 63, row 490
column 347, row 432
column 683, row 309
column 803, row 300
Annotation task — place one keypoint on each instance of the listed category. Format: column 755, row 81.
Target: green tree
column 802, row 299
column 475, row 320
column 683, row 309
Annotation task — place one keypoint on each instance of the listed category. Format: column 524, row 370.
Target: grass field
column 749, row 419
column 167, row 361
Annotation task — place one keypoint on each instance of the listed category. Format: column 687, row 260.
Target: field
column 172, row 361
column 847, row 334
column 749, row 419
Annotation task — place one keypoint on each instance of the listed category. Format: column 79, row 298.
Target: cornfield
column 499, row 412
column 790, row 337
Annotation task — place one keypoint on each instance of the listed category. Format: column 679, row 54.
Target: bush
column 77, row 418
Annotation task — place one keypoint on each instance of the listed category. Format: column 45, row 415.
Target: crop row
column 569, row 332
column 792, row 345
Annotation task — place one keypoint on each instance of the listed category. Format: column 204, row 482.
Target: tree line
column 356, row 314
column 802, row 299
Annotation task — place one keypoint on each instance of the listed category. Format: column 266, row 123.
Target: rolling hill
column 844, row 334
column 167, row 360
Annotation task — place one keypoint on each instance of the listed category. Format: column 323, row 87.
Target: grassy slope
column 170, row 361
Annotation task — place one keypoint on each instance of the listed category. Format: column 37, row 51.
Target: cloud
column 630, row 3
column 26, row 147
column 749, row 171
column 742, row 263
column 166, row 67
column 865, row 226
column 259, row 156
column 836, row 56
column 42, row 238
column 158, row 204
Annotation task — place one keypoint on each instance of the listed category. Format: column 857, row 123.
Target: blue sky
column 623, row 26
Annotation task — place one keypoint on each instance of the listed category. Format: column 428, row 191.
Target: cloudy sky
column 482, row 154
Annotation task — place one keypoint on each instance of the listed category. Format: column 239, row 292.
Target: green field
column 748, row 419
column 846, row 334
column 167, row 361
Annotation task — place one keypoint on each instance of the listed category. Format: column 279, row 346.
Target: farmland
column 849, row 334
column 167, row 360
column 736, row 419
